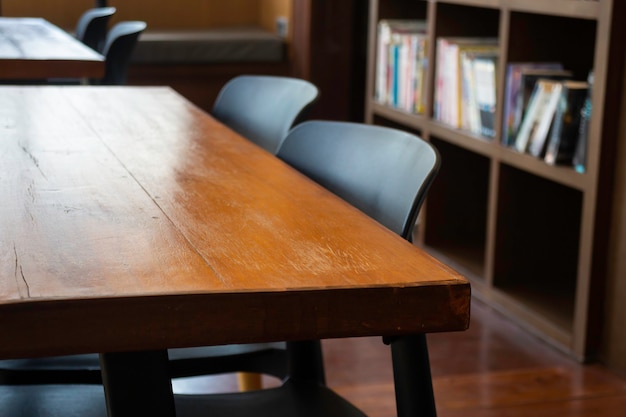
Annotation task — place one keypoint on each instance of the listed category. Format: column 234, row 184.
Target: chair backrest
column 263, row 108
column 92, row 26
column 119, row 46
column 383, row 172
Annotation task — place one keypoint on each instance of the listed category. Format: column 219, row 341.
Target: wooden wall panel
column 271, row 9
column 189, row 13
column 159, row 14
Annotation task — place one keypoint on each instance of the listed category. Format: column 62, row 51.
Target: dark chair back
column 264, row 108
column 383, row 172
column 119, row 46
column 92, row 27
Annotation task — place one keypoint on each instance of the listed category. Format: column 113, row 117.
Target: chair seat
column 265, row 358
column 58, row 369
column 52, row 401
column 292, row 399
column 215, row 46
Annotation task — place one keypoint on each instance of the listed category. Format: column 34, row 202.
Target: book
column 580, row 154
column 396, row 61
column 470, row 114
column 421, row 64
column 565, row 133
column 529, row 77
column 454, row 77
column 478, row 91
column 512, row 114
column 538, row 139
column 485, row 92
column 539, row 99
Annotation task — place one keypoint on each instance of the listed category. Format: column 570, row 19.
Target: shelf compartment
column 531, row 316
column 454, row 20
column 456, row 208
column 572, row 8
column 537, row 244
column 563, row 174
column 402, row 9
column 544, row 38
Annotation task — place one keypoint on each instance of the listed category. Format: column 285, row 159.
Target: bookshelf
column 530, row 236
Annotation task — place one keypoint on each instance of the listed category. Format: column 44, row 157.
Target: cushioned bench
column 197, row 63
column 228, row 45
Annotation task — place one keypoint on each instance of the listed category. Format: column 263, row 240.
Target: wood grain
column 32, row 48
column 134, row 220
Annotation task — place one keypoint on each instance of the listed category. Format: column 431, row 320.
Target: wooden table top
column 33, row 48
column 131, row 220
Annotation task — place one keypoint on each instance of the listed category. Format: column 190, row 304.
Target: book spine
column 580, row 154
column 565, row 139
column 382, row 63
column 485, row 80
column 538, row 140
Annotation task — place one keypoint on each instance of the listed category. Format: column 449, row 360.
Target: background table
column 33, row 48
column 130, row 220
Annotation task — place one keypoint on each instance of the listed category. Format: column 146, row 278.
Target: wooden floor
column 494, row 369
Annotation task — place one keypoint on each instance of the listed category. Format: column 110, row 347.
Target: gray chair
column 385, row 173
column 92, row 27
column 118, row 48
column 263, row 108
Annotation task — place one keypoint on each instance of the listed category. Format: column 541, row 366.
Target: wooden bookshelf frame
column 561, row 301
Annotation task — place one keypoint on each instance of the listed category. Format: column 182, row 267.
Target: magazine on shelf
column 539, row 138
column 535, row 114
column 566, row 130
column 512, row 112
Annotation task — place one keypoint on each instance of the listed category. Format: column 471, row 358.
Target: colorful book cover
column 565, row 134
column 512, row 116
column 484, row 66
column 539, row 137
column 537, row 102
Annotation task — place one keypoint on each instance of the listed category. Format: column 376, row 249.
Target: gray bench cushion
column 243, row 44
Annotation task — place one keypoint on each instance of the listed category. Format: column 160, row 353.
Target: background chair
column 264, row 108
column 118, row 48
column 92, row 27
column 384, row 172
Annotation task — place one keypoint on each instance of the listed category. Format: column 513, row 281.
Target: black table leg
column 305, row 361
column 412, row 379
column 137, row 384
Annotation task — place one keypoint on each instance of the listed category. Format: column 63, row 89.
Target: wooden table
column 35, row 49
column 132, row 221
